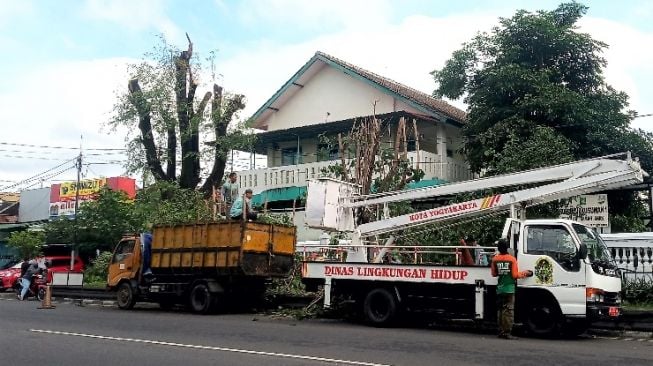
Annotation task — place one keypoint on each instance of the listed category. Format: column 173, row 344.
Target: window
column 289, row 156
column 124, row 249
column 553, row 241
column 411, row 146
column 326, row 152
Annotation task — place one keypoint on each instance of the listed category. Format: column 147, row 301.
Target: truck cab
column 572, row 267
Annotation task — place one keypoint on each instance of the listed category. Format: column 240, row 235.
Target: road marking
column 212, row 348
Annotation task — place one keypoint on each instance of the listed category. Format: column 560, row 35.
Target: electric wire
column 38, row 176
column 60, row 147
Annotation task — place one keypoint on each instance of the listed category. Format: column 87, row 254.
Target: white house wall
column 332, row 95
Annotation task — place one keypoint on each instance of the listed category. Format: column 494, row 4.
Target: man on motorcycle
column 32, row 269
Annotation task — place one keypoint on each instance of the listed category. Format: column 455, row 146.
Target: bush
column 637, row 291
column 99, row 269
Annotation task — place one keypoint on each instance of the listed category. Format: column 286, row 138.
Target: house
column 326, row 97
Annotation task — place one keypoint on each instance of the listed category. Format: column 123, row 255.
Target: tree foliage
column 170, row 121
column 537, row 96
column 101, row 223
column 29, row 244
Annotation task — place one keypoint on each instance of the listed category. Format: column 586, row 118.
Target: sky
column 63, row 62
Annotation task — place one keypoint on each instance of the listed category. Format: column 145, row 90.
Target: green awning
column 297, row 193
column 279, row 194
column 425, row 183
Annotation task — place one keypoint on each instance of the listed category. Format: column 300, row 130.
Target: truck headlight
column 594, row 295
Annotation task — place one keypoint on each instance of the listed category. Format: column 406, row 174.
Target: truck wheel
column 201, row 300
column 380, row 307
column 543, row 319
column 125, row 296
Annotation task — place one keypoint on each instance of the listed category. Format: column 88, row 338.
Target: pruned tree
column 162, row 103
column 372, row 157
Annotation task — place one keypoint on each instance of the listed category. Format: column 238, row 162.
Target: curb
column 66, row 300
column 626, row 335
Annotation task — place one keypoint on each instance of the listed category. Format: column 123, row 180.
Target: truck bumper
column 603, row 312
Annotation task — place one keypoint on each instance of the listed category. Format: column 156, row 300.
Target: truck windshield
column 597, row 251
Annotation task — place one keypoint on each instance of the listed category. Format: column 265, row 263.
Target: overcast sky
column 63, row 61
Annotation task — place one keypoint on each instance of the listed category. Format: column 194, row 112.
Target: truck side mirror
column 582, row 252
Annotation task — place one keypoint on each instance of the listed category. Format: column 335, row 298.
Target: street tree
column 102, row 222
column 176, row 131
column 537, row 96
column 535, row 80
column 29, row 244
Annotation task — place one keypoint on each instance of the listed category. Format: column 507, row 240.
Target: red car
column 9, row 276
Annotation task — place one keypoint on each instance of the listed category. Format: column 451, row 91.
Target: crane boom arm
column 502, row 202
column 554, row 173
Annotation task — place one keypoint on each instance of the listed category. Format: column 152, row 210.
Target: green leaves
column 28, row 243
column 537, row 96
column 101, row 223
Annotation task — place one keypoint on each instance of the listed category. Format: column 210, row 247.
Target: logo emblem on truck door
column 543, row 271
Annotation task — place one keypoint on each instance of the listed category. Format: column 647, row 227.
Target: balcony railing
column 433, row 165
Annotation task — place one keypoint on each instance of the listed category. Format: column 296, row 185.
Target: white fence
column 633, row 253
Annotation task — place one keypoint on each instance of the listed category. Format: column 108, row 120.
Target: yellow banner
column 86, row 188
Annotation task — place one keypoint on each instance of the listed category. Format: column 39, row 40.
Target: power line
column 29, row 157
column 59, row 147
column 37, row 176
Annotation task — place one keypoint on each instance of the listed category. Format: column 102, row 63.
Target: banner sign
column 391, row 272
column 590, row 210
column 87, row 188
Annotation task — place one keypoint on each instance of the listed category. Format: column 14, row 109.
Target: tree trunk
column 222, row 111
column 145, row 126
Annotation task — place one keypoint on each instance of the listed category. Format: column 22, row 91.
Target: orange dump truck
column 200, row 265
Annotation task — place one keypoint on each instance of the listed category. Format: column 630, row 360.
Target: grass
column 95, row 285
column 640, row 307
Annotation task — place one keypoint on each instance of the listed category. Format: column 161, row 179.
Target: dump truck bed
column 230, row 247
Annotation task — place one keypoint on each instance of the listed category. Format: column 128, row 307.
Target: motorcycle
column 36, row 287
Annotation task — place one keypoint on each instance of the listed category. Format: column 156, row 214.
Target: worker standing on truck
column 505, row 267
column 243, row 204
column 229, row 191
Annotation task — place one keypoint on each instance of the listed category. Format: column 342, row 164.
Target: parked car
column 9, row 276
column 59, row 263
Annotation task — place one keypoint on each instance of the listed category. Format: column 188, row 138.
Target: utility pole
column 78, row 165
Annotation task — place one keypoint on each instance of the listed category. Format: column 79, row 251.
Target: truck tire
column 125, row 296
column 380, row 307
column 200, row 299
column 543, row 319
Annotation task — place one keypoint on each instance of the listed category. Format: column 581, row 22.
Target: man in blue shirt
column 243, row 204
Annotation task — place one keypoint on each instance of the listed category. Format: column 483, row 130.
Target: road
column 75, row 335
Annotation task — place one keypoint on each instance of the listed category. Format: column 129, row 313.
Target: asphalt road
column 79, row 336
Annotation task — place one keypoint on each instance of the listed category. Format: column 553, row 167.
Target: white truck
column 575, row 279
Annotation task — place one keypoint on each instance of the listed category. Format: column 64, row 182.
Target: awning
column 279, row 194
column 297, row 193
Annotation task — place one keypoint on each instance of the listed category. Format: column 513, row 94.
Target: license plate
column 613, row 311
